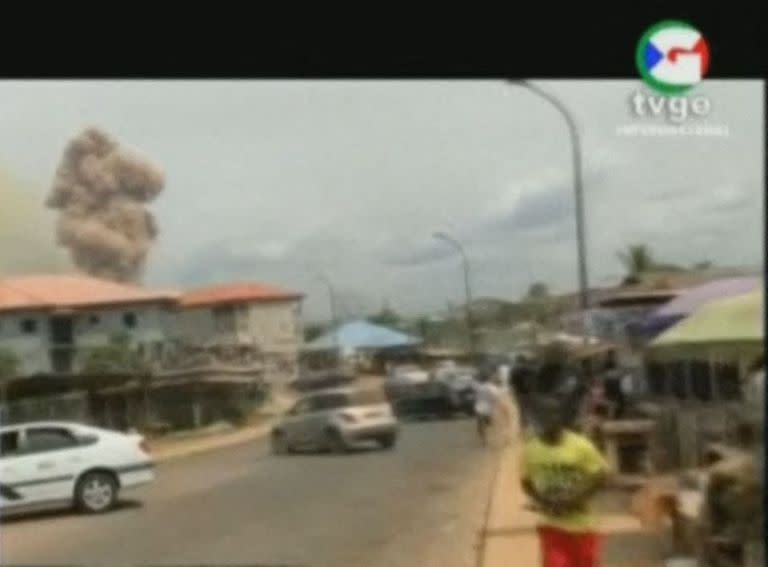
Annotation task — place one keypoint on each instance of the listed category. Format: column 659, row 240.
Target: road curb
column 206, row 445
column 510, row 529
column 482, row 545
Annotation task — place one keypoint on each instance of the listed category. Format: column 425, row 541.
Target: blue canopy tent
column 361, row 336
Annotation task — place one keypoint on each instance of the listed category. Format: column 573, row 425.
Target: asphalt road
column 421, row 504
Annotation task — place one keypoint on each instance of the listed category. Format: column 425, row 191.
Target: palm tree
column 637, row 259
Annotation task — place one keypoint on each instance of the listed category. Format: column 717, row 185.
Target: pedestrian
column 489, row 405
column 504, row 372
column 561, row 472
column 522, row 379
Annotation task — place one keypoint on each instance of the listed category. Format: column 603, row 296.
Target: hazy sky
column 274, row 181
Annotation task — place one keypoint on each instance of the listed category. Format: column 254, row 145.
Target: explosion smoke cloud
column 101, row 191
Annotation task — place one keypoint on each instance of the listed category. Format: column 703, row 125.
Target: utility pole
column 467, row 290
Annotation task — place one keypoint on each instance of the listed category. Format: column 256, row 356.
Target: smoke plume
column 101, row 191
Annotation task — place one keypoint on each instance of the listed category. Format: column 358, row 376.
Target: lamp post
column 578, row 193
column 467, row 291
column 334, row 319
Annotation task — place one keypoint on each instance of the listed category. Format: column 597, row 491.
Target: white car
column 45, row 464
column 409, row 374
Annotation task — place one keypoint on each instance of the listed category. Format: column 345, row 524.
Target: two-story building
column 259, row 316
column 213, row 351
column 50, row 321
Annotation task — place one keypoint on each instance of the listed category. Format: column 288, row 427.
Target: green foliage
column 312, row 331
column 116, row 357
column 540, row 307
column 538, row 290
column 703, row 265
column 386, row 317
column 637, row 259
column 9, row 364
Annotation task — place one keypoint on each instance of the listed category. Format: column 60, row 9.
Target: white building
column 250, row 314
column 49, row 322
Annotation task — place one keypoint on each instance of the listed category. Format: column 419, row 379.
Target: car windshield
column 367, row 398
column 330, row 401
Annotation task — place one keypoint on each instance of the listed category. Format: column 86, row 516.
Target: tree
column 312, row 331
column 116, row 357
column 637, row 260
column 422, row 326
column 9, row 366
column 703, row 265
column 120, row 357
column 538, row 304
column 538, row 290
column 386, row 317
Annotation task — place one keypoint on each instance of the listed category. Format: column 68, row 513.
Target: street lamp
column 332, row 303
column 467, row 292
column 578, row 191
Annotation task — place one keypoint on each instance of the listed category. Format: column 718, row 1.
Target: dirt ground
column 627, row 544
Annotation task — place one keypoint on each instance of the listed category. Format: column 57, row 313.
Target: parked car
column 336, row 420
column 461, row 384
column 408, row 374
column 324, row 379
column 415, row 392
column 45, row 464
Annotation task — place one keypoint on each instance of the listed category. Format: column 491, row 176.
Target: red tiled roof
column 71, row 291
column 236, row 293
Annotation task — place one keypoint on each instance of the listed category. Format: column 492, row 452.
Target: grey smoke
column 101, row 191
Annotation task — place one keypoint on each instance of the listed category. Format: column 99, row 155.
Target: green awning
column 733, row 327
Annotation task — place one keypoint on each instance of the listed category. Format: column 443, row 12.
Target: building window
column 28, row 326
column 224, row 319
column 285, row 324
column 242, row 317
column 129, row 320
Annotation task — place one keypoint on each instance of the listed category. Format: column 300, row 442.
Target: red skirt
column 560, row 548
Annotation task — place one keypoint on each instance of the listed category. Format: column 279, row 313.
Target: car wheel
column 279, row 444
column 96, row 492
column 387, row 441
column 335, row 442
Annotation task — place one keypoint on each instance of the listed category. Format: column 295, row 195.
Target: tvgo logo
column 672, row 58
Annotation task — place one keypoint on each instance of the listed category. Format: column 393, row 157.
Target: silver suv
column 335, row 420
